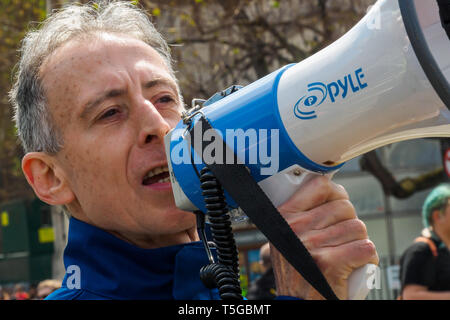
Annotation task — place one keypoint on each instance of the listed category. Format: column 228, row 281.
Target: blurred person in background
column 32, row 291
column 4, row 295
column 263, row 288
column 425, row 265
column 20, row 293
column 46, row 287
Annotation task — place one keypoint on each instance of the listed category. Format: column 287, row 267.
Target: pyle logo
column 318, row 92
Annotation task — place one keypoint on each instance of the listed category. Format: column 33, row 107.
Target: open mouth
column 156, row 175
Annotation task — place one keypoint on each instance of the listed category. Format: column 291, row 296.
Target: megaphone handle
column 359, row 284
column 280, row 187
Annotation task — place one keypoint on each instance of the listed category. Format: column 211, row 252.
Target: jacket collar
column 116, row 269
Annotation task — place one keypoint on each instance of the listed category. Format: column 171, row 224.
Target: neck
column 443, row 236
column 143, row 241
column 146, row 242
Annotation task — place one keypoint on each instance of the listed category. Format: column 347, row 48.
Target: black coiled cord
column 225, row 273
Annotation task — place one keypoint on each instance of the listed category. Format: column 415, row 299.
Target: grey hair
column 35, row 126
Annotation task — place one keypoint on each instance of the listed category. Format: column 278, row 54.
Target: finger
column 321, row 217
column 313, row 193
column 352, row 255
column 335, row 235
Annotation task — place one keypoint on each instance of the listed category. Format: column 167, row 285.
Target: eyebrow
column 160, row 81
column 93, row 104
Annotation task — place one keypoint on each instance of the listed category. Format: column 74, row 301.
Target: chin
column 179, row 218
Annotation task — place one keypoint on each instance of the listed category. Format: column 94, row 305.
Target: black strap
column 444, row 12
column 241, row 186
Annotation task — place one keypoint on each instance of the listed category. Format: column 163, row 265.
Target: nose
column 152, row 125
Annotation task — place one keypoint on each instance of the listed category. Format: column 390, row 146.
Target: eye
column 109, row 113
column 165, row 99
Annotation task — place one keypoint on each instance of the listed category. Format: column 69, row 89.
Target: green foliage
column 276, row 4
column 156, row 12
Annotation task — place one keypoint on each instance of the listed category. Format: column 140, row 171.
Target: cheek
column 447, row 219
column 96, row 164
column 85, row 172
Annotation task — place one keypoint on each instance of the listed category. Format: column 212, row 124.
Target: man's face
column 114, row 99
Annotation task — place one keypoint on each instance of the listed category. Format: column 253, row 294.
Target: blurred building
column 32, row 239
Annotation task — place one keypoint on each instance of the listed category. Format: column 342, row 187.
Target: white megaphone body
column 384, row 81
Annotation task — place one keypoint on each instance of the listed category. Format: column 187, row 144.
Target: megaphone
column 384, row 81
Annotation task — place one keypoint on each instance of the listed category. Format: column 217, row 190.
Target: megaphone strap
column 241, row 186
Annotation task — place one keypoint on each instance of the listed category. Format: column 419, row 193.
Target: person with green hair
column 425, row 265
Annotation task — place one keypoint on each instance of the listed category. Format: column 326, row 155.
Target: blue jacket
column 101, row 266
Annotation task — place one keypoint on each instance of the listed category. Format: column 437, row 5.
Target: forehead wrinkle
column 154, row 72
column 160, row 81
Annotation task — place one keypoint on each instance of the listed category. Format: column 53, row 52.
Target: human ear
column 436, row 216
column 46, row 178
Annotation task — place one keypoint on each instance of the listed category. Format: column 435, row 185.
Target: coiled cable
column 223, row 274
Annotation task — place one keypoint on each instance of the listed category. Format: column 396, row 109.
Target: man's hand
column 324, row 219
